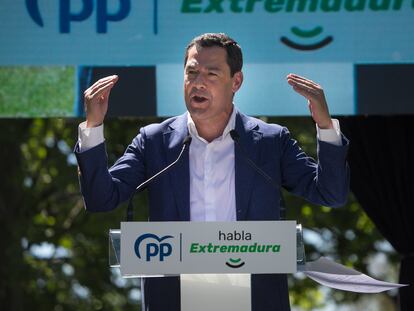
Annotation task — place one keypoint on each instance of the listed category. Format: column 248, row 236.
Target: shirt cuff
column 89, row 137
column 332, row 136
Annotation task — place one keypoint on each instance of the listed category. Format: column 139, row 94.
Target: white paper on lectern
column 334, row 275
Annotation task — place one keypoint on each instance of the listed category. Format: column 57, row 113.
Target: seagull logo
column 305, row 35
column 235, row 263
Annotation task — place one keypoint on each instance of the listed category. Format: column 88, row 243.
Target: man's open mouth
column 199, row 99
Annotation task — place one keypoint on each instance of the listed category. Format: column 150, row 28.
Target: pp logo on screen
column 77, row 11
column 153, row 246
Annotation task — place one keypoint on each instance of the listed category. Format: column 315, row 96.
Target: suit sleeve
column 324, row 182
column 104, row 189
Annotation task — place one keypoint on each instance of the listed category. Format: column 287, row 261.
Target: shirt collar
column 192, row 129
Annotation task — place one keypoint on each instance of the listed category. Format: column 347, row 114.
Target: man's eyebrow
column 214, row 68
column 209, row 68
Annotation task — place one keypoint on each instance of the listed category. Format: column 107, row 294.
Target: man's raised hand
column 313, row 92
column 96, row 100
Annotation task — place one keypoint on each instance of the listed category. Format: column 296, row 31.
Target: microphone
column 130, row 209
column 235, row 136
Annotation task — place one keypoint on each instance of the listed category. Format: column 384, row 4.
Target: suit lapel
column 180, row 174
column 244, row 174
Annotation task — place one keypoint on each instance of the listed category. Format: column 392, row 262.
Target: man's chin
column 197, row 113
column 197, row 109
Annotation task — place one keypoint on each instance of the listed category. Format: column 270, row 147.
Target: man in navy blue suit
column 213, row 182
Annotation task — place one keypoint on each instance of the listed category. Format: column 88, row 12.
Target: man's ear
column 237, row 81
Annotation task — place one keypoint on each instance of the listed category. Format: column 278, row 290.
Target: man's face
column 208, row 85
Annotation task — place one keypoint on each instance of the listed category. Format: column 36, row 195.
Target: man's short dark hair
column 234, row 53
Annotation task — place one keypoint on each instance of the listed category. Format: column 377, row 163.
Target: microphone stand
column 130, row 209
column 282, row 207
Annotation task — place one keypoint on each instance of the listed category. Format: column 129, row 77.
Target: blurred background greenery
column 55, row 254
column 37, row 91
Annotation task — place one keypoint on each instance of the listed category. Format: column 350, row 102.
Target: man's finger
column 305, row 83
column 105, row 94
column 105, row 79
column 96, row 87
column 304, row 80
column 100, row 91
column 102, row 81
column 304, row 89
column 304, row 93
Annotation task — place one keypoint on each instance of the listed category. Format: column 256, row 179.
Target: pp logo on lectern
column 152, row 246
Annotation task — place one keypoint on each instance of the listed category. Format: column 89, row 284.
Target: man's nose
column 199, row 81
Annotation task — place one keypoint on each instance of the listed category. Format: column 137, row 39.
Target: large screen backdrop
column 360, row 51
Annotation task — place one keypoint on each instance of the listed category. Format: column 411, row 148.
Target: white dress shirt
column 212, row 188
column 212, row 171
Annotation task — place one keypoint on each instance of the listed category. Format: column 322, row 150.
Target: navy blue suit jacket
column 270, row 146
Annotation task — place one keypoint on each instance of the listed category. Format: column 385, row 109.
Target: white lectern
column 214, row 259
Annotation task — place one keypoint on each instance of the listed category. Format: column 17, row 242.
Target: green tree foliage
column 40, row 205
column 55, row 254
